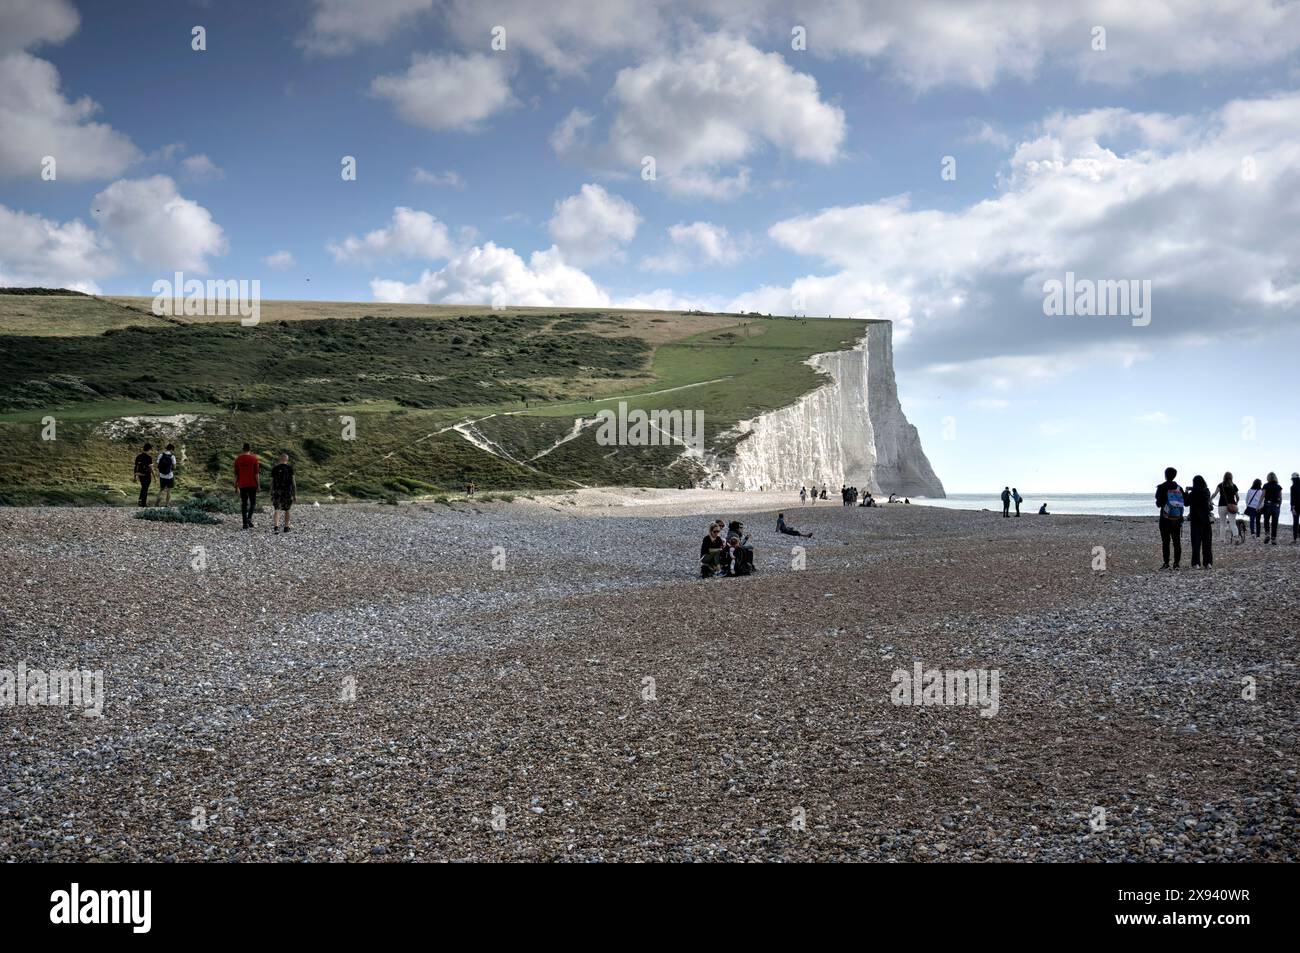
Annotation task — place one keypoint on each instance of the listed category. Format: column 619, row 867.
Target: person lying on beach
column 788, row 530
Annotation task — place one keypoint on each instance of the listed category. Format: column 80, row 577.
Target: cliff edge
column 849, row 430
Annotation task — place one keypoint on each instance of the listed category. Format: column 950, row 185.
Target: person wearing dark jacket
column 711, row 552
column 142, row 472
column 1169, row 497
column 1272, row 508
column 781, row 527
column 1295, row 508
column 1200, row 519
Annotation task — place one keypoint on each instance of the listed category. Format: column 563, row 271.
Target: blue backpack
column 1173, row 508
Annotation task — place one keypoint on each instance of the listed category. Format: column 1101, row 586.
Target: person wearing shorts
column 284, row 492
column 166, row 475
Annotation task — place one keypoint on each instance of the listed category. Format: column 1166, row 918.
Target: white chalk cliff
column 851, row 430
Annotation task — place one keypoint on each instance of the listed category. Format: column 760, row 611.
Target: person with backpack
column 143, row 472
column 1169, row 497
column 284, row 492
column 166, row 475
column 1200, row 509
column 1255, row 505
column 1006, row 501
column 1017, row 499
column 1227, row 495
column 1295, row 508
column 1272, row 508
column 246, row 474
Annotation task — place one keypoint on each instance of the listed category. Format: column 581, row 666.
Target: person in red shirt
column 246, row 467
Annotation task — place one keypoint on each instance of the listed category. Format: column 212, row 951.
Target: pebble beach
column 549, row 680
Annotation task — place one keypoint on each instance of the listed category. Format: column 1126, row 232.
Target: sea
column 1066, row 504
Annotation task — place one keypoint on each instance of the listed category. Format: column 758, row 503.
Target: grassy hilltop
column 515, row 380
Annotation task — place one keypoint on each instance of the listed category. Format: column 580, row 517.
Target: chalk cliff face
column 850, row 430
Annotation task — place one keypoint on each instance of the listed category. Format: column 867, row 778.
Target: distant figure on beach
column 143, row 472
column 803, row 496
column 246, row 474
column 1272, row 508
column 1227, row 495
column 781, row 527
column 1169, row 497
column 1042, row 510
column 1006, row 501
column 1255, row 505
column 1295, row 508
column 166, row 465
column 1017, row 499
column 1200, row 509
column 284, row 492
column 823, row 491
column 893, row 498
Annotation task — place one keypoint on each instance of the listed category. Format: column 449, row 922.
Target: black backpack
column 165, row 470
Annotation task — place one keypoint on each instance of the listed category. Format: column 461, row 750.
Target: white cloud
column 593, row 225
column 157, row 226
column 1156, row 418
column 25, row 23
column 1203, row 207
column 572, row 132
column 199, row 168
column 340, row 26
column 36, row 251
column 489, row 274
column 448, row 92
column 713, row 105
column 281, row 260
column 448, row 179
column 410, row 234
column 38, row 121
column 698, row 245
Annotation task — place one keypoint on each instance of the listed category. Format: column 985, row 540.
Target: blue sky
column 787, row 180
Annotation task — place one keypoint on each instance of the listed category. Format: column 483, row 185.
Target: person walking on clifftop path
column 1006, row 501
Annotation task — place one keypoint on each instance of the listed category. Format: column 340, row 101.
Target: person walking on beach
column 1006, row 501
column 1227, row 496
column 1017, row 499
column 246, row 472
column 166, row 475
column 803, row 496
column 1200, row 519
column 1255, row 506
column 1169, row 497
column 143, row 472
column 1295, row 508
column 1272, row 508
column 284, row 492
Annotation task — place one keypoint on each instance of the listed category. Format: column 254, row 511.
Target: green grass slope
column 406, row 375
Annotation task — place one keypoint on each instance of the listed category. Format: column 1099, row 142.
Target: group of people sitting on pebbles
column 727, row 551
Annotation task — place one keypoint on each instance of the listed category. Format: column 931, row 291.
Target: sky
column 936, row 164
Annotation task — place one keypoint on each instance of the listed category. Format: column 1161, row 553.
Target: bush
column 211, row 504
column 182, row 514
